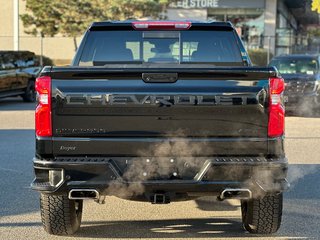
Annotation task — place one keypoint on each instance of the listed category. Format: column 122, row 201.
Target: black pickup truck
column 301, row 73
column 18, row 71
column 160, row 111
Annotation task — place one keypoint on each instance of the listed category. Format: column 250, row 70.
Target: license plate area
column 146, row 169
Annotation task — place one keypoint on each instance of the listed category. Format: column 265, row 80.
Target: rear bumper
column 114, row 176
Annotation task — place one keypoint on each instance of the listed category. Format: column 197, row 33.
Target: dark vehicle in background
column 159, row 112
column 18, row 71
column 301, row 74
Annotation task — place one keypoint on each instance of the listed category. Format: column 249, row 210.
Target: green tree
column 76, row 16
column 43, row 18
column 71, row 17
column 134, row 9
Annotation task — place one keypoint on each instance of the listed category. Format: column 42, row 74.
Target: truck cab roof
column 129, row 24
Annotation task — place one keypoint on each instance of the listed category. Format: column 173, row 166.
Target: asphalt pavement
column 120, row 219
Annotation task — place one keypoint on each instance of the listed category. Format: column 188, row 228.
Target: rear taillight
column 43, row 110
column 276, row 107
column 161, row 25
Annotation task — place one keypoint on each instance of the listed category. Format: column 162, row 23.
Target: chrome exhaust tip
column 235, row 193
column 83, row 194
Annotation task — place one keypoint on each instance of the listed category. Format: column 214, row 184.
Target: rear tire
column 59, row 215
column 262, row 216
column 30, row 93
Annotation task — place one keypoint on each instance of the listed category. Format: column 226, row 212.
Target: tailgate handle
column 159, row 77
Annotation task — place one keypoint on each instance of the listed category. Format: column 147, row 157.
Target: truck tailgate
column 117, row 112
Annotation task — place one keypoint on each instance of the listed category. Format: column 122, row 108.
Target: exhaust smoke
column 164, row 160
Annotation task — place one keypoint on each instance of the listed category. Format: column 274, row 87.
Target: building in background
column 278, row 25
column 275, row 25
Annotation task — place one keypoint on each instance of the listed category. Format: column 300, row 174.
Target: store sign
column 197, row 4
column 218, row 4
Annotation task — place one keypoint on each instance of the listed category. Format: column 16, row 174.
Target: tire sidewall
column 256, row 218
column 76, row 214
column 69, row 213
column 30, row 94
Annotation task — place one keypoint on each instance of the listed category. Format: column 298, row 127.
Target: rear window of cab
column 107, row 47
